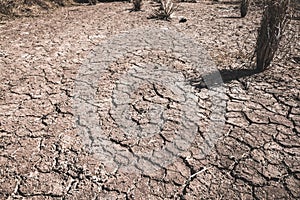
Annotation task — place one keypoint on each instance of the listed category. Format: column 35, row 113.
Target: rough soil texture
column 42, row 155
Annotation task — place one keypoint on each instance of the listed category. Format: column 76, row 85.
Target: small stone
column 182, row 20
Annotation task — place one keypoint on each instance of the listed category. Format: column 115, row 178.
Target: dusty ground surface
column 42, row 154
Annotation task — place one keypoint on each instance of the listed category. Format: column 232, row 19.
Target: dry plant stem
column 195, row 174
column 270, row 33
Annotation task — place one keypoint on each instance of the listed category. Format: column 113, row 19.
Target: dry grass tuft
column 12, row 8
column 167, row 8
column 137, row 5
column 6, row 6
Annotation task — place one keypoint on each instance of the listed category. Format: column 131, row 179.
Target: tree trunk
column 244, row 7
column 271, row 30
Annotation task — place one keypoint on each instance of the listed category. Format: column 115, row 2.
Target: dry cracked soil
column 129, row 78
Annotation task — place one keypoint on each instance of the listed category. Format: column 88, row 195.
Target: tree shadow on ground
column 227, row 75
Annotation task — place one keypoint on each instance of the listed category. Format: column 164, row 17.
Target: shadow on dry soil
column 227, row 75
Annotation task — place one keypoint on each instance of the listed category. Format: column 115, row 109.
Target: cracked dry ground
column 42, row 155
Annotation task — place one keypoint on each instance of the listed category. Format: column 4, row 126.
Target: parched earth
column 97, row 102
